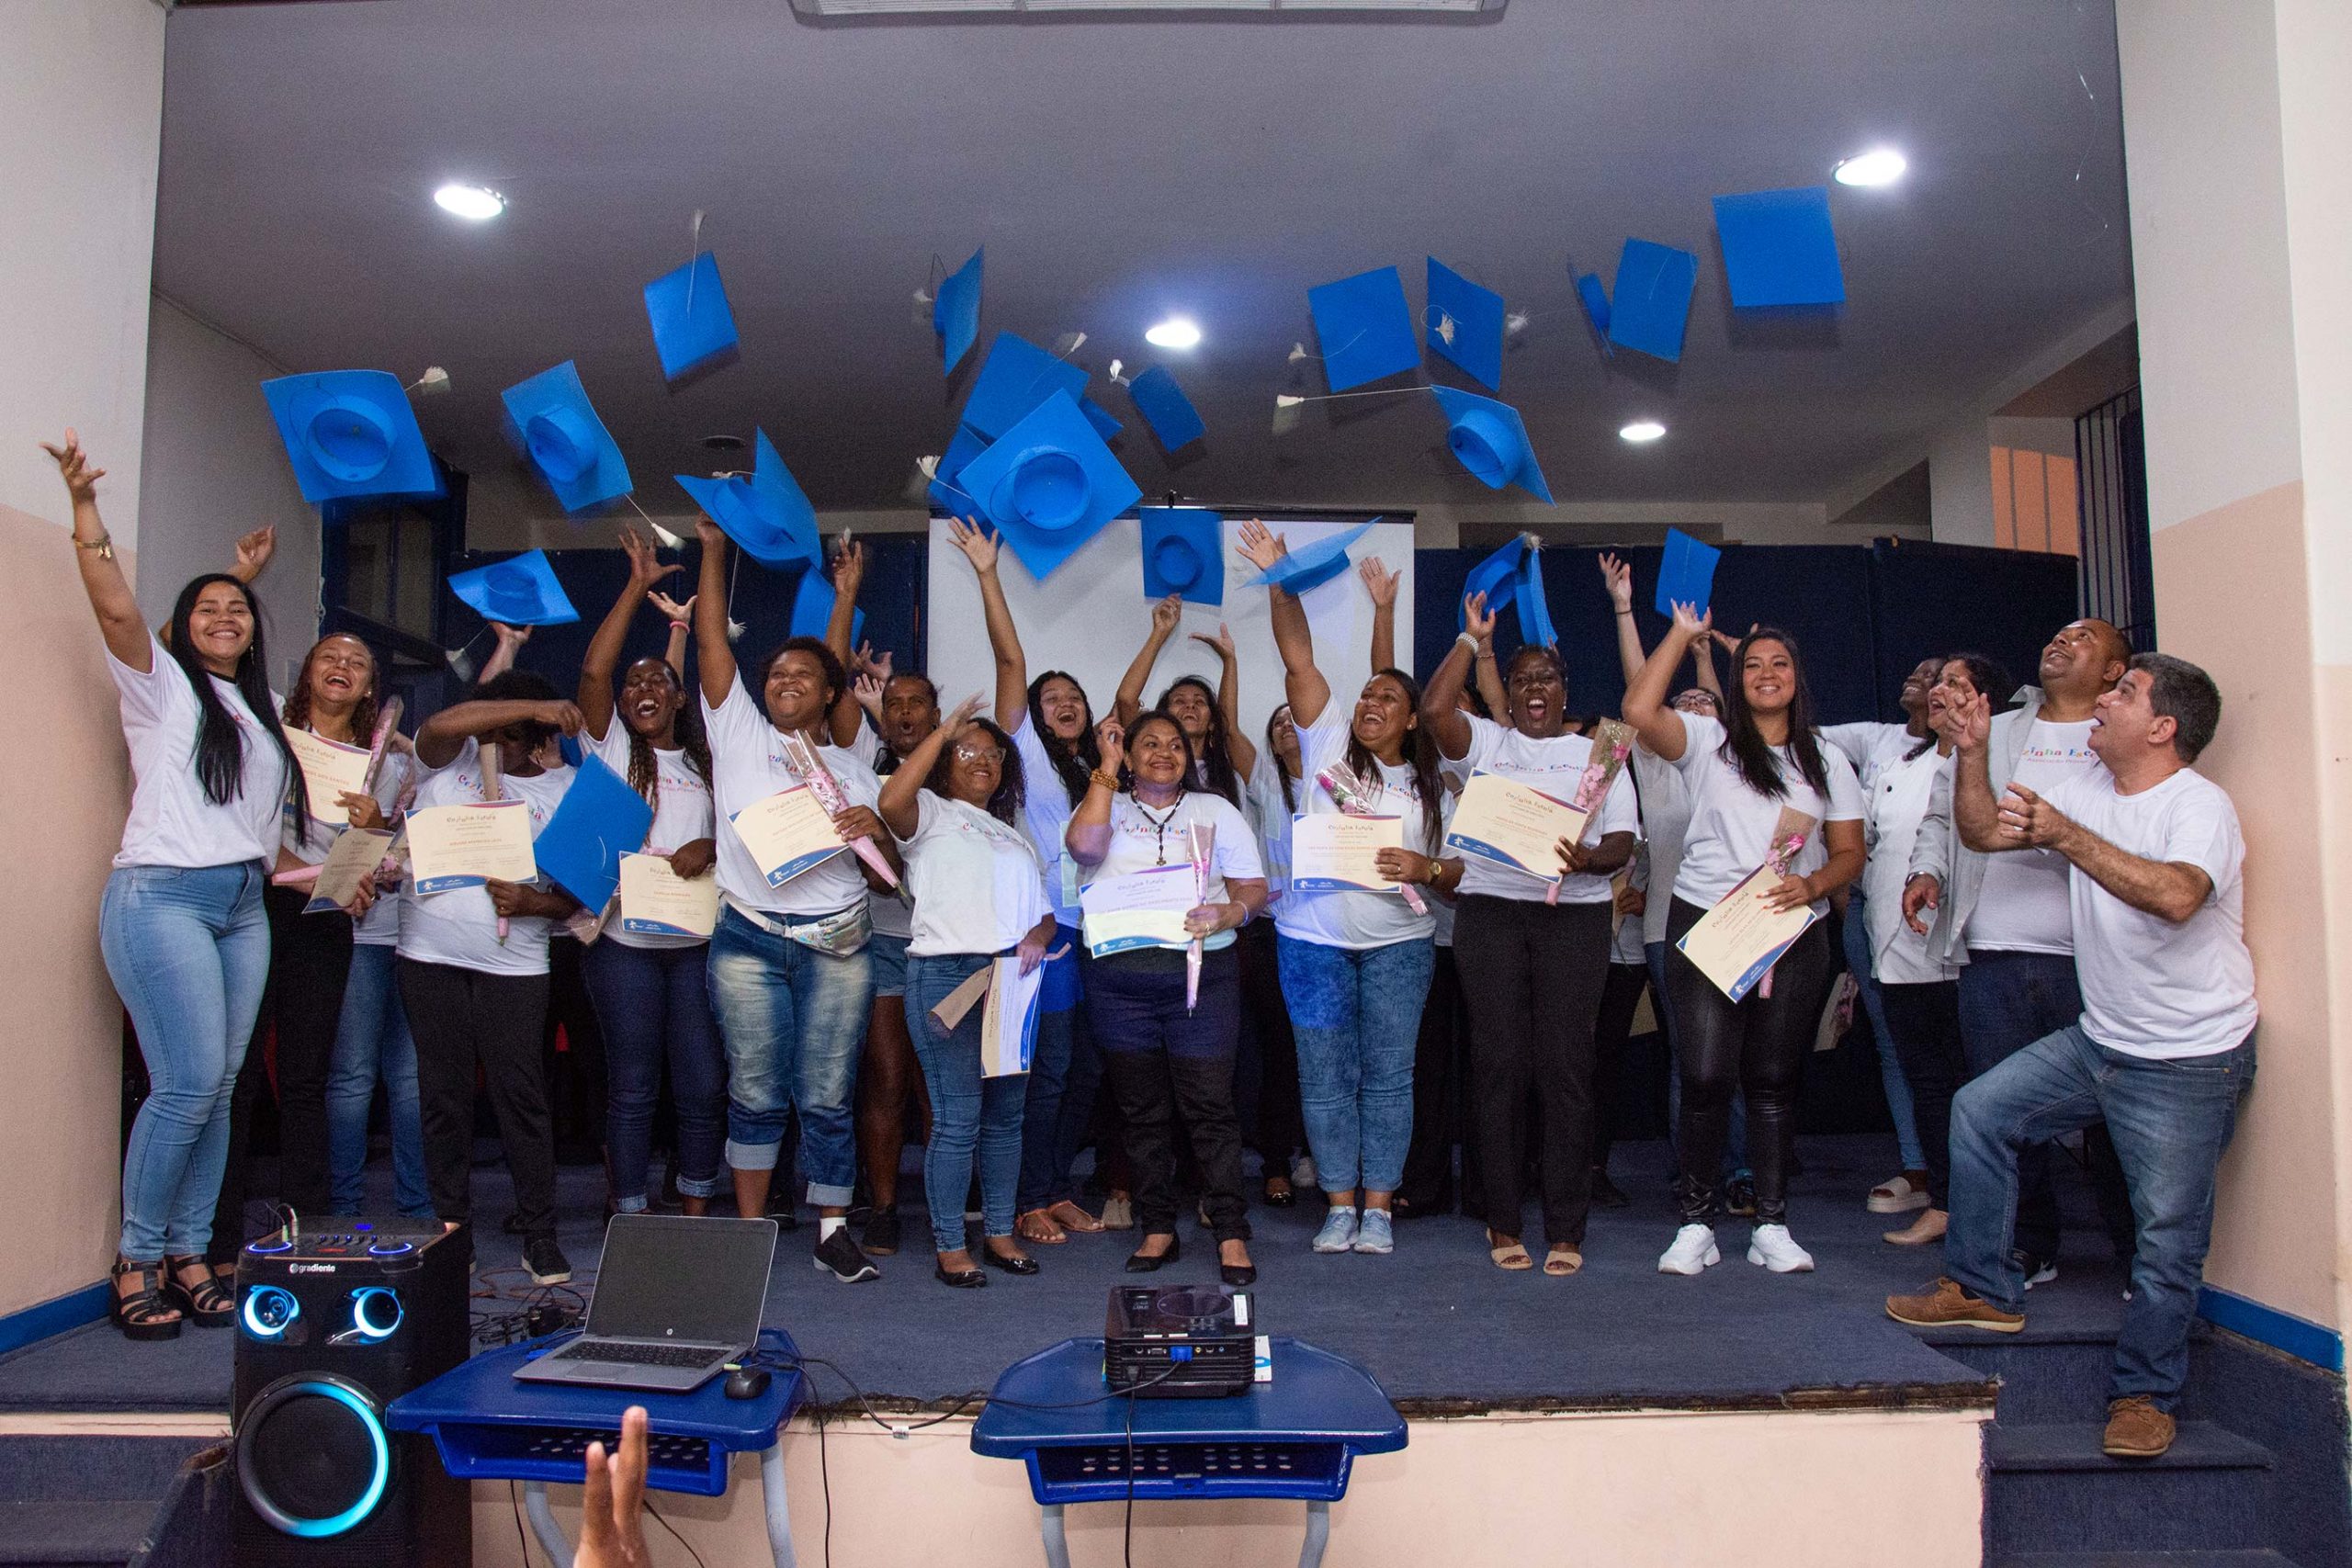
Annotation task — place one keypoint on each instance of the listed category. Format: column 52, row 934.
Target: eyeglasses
column 971, row 753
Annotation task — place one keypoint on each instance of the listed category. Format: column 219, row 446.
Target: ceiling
column 1118, row 170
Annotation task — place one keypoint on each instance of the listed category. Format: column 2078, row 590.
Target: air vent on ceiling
column 1008, row 7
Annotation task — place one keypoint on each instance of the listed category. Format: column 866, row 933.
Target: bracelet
column 682, row 626
column 1461, row 638
column 1108, row 781
column 103, row 546
column 1625, row 609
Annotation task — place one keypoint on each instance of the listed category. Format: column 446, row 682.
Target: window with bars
column 2111, row 480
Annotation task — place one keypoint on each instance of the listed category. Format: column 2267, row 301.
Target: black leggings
column 1925, row 1021
column 1612, row 1051
column 461, row 1018
column 1758, row 1045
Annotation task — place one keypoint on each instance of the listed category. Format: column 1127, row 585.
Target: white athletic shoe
column 1339, row 1232
column 1771, row 1247
column 1693, row 1251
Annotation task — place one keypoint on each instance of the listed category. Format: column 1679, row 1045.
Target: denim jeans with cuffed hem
column 1735, row 1140
column 974, row 1119
column 1356, row 1014
column 188, row 952
column 793, row 1020
column 373, row 1041
column 654, row 1005
column 1857, row 939
column 2170, row 1121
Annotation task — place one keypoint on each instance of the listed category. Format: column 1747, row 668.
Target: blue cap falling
column 1049, row 485
column 956, row 314
column 1595, row 300
column 1464, row 324
column 943, row 492
column 1534, row 610
column 1365, row 328
column 1014, row 379
column 1184, row 552
column 1687, row 575
column 350, row 432
column 1489, row 439
column 1166, row 409
column 1314, row 565
column 550, row 416
column 692, row 325
column 1780, row 247
column 520, row 591
column 769, row 516
column 1106, row 423
column 1651, row 304
column 812, row 608
column 599, row 819
column 1497, row 577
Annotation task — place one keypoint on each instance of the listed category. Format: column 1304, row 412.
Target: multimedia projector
column 1179, row 1341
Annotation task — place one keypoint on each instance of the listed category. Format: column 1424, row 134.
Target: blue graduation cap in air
column 1106, row 423
column 956, row 313
column 692, row 325
column 1464, row 324
column 1184, row 552
column 812, row 608
column 1313, row 566
column 1780, row 247
column 1497, row 577
column 1489, row 439
column 1687, row 576
column 1534, row 610
column 1014, row 379
column 598, row 820
column 1166, row 409
column 1048, row 484
column 350, row 432
column 943, row 492
column 521, row 591
column 769, row 516
column 1595, row 300
column 1651, row 304
column 552, row 418
column 1364, row 327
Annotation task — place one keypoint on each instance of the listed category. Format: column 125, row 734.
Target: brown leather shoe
column 1948, row 1305
column 2136, row 1428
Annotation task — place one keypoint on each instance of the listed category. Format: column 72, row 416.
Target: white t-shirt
column 1665, row 818
column 1143, row 838
column 1270, row 818
column 2022, row 904
column 1731, row 825
column 1441, row 910
column 682, row 813
column 1898, row 804
column 1045, row 817
column 1350, row 919
column 975, row 880
column 2150, row 987
column 1554, row 765
column 380, row 926
column 172, row 822
column 460, row 927
column 747, row 756
column 1872, row 747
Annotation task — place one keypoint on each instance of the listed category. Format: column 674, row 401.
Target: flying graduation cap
column 599, row 820
column 1297, row 572
column 350, row 432
column 812, row 608
column 1779, row 248
column 1651, row 304
column 1048, row 484
column 956, row 314
column 692, row 325
column 1015, row 378
column 769, row 516
column 1490, row 440
column 1464, row 324
column 1364, row 327
column 1513, row 576
column 1184, row 552
column 1166, row 409
column 550, row 418
column 520, row 591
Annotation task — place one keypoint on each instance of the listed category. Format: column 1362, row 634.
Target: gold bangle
column 103, row 545
column 1108, row 781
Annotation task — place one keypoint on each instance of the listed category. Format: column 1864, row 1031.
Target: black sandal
column 142, row 1315
column 208, row 1306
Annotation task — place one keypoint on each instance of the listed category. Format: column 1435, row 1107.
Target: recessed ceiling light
column 1642, row 430
column 1879, row 166
column 1176, row 332
column 476, row 202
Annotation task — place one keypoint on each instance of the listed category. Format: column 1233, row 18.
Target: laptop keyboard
column 639, row 1355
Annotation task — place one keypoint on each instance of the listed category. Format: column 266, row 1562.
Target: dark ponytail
column 220, row 750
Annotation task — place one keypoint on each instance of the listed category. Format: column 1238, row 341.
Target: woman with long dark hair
column 651, row 989
column 182, row 928
column 1223, row 756
column 1763, row 758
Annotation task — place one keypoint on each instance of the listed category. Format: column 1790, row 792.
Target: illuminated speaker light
column 376, row 1311
column 350, row 1397
column 270, row 1311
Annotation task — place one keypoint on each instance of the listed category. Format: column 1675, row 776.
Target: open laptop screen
column 673, row 1276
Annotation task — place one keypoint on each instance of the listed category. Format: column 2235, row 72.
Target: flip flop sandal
column 1563, row 1261
column 1071, row 1217
column 1037, row 1225
column 1512, row 1258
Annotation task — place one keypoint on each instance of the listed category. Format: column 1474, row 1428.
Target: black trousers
column 1612, row 1051
column 1441, row 1076
column 1925, row 1021
column 1759, row 1044
column 1161, row 1061
column 1534, row 973
column 462, row 1018
column 1277, row 1125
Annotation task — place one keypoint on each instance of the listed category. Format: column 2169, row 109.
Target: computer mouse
column 747, row 1382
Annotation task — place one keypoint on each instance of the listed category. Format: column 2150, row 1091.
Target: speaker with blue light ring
column 334, row 1323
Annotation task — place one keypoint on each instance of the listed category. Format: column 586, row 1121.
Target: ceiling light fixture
column 1015, row 8
column 1641, row 430
column 477, row 202
column 1879, row 166
column 1176, row 332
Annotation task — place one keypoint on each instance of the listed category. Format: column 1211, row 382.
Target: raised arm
column 111, row 596
column 1381, row 584
column 849, row 577
column 682, row 628
column 714, row 655
column 1129, row 703
column 1088, row 838
column 442, row 737
column 1658, row 725
column 254, row 550
column 604, row 655
column 898, row 807
column 1304, row 687
column 1974, row 815
column 1441, row 698
column 1617, row 577
column 2170, row 890
column 980, row 548
column 1238, row 743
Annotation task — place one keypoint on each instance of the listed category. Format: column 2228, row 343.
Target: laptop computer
column 678, row 1298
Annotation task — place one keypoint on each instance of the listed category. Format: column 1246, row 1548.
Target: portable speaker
column 333, row 1324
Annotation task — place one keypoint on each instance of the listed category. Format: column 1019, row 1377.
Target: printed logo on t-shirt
column 2059, row 756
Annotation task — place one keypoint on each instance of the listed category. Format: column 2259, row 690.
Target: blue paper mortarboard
column 1464, row 324
column 1489, row 438
column 769, row 516
column 1497, row 577
column 1780, row 247
column 1048, row 484
column 1595, row 299
column 521, row 591
column 1534, row 610
column 1184, row 552
column 1687, row 576
column 1166, row 409
column 944, row 491
column 1651, row 304
column 350, row 432
column 1014, row 379
column 812, row 608
column 558, row 429
column 598, row 820
column 1364, row 327
column 1106, row 423
column 1313, row 566
column 692, row 325
column 956, row 314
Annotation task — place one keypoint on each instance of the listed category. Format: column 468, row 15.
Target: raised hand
column 1967, row 724
column 1112, row 736
column 645, row 568
column 1261, row 546
column 865, row 661
column 1618, row 578
column 672, row 607
column 962, row 714
column 1378, row 581
column 255, row 549
column 74, row 468
column 1222, row 641
column 1477, row 619
column 980, row 545
column 612, row 1527
column 867, row 690
column 1729, row 643
column 510, row 638
column 711, row 535
column 1164, row 614
column 1689, row 626
column 849, row 566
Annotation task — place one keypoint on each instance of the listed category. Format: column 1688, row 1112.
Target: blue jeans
column 1735, row 1136
column 1045, row 1175
column 793, row 1018
column 1890, row 1066
column 652, row 1004
column 373, row 1040
column 1356, row 1015
column 973, row 1118
column 2170, row 1122
column 188, row 952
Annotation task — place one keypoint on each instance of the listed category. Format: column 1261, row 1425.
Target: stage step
column 2050, row 1489
column 41, row 1534
column 84, row 1500
column 2074, row 1446
column 2260, row 1558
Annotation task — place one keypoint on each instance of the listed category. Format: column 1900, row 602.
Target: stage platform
column 1444, row 1331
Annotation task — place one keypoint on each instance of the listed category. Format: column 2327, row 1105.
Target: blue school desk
column 1296, row 1436
column 486, row 1427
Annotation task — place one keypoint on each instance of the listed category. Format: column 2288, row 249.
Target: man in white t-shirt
column 2163, row 1050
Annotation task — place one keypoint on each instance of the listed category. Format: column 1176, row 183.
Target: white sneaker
column 1339, row 1232
column 1693, row 1251
column 1303, row 1174
column 1771, row 1247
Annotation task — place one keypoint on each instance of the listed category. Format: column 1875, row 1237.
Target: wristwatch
column 103, row 545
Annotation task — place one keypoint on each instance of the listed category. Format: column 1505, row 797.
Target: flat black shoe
column 995, row 1259
column 838, row 1255
column 1139, row 1263
column 1237, row 1273
column 881, row 1237
column 962, row 1279
column 1273, row 1200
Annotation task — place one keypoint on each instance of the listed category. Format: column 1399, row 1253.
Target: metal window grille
column 2112, row 484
